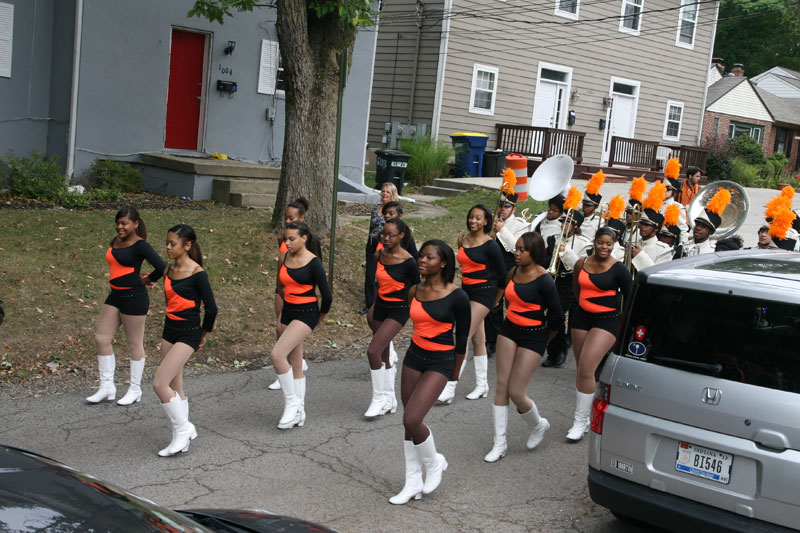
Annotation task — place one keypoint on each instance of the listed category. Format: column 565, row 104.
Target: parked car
column 40, row 494
column 696, row 420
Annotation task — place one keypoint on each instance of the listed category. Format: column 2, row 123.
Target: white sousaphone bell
column 551, row 178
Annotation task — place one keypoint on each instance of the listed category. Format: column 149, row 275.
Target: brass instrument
column 500, row 201
column 526, row 215
column 632, row 239
column 551, row 178
column 555, row 261
column 734, row 215
column 601, row 211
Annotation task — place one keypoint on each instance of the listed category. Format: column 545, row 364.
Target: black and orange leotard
column 599, row 293
column 283, row 248
column 435, row 321
column 124, row 265
column 527, row 302
column 481, row 265
column 299, row 294
column 184, row 297
column 395, row 280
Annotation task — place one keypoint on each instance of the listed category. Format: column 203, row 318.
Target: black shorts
column 305, row 313
column 485, row 293
column 133, row 301
column 584, row 320
column 424, row 361
column 397, row 311
column 530, row 338
column 185, row 331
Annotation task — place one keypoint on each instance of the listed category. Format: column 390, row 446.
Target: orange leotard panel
column 468, row 266
column 294, row 292
column 387, row 284
column 283, row 248
column 590, row 291
column 116, row 270
column 518, row 308
column 175, row 302
column 427, row 328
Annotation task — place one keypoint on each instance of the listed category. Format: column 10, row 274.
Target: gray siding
column 395, row 62
column 596, row 51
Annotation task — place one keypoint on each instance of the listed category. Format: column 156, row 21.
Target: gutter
column 708, row 74
column 76, row 75
column 437, row 101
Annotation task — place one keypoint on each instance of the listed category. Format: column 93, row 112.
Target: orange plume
column 573, row 199
column 637, row 188
column 510, row 177
column 672, row 169
column 777, row 203
column 655, row 198
column 719, row 201
column 616, row 206
column 593, row 187
column 672, row 215
column 781, row 222
column 788, row 192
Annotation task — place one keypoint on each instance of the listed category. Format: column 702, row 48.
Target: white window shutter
column 268, row 67
column 6, row 36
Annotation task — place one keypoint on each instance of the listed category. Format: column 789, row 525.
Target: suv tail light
column 599, row 406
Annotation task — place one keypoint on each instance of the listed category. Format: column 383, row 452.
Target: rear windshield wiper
column 714, row 370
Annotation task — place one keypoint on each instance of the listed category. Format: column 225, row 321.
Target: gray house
column 586, row 71
column 140, row 81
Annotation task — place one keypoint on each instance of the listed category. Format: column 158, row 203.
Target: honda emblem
column 711, row 396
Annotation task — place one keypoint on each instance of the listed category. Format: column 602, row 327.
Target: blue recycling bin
column 469, row 153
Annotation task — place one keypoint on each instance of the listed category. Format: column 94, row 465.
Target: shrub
column 116, row 175
column 777, row 163
column 749, row 149
column 744, row 173
column 429, row 159
column 719, row 166
column 36, row 177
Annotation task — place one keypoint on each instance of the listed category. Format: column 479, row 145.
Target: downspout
column 437, row 101
column 76, row 74
column 708, row 74
column 420, row 18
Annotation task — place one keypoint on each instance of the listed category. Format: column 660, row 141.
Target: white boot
column 276, row 385
column 378, row 405
column 449, row 392
column 537, row 424
column 183, row 430
column 134, row 393
column 434, row 463
column 291, row 408
column 392, row 354
column 388, row 391
column 413, row 486
column 107, row 391
column 500, row 417
column 481, row 385
column 583, row 408
column 300, row 391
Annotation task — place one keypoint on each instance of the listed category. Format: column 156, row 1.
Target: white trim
column 268, row 62
column 437, row 98
column 622, row 18
column 671, row 103
column 562, row 123
column 482, row 68
column 76, row 76
column 696, row 6
column 566, row 14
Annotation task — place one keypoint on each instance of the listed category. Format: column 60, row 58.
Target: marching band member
column 729, row 244
column 635, row 194
column 616, row 206
column 707, row 223
column 783, row 234
column 591, row 201
column 765, row 239
column 670, row 232
column 551, row 225
column 671, row 172
column 650, row 251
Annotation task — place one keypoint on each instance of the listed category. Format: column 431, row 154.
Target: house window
column 484, row 88
column 567, row 8
column 672, row 125
column 6, row 37
column 270, row 70
column 631, row 19
column 783, row 141
column 687, row 23
column 716, row 127
column 740, row 128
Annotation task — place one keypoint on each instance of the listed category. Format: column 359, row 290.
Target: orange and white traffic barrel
column 519, row 164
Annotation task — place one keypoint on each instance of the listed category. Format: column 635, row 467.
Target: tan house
column 590, row 70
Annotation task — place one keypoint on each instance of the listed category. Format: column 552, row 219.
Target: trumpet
column 500, row 201
column 632, row 238
column 555, row 261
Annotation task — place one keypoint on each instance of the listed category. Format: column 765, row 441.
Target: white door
column 620, row 119
column 547, row 110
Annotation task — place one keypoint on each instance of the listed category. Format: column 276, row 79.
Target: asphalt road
column 339, row 469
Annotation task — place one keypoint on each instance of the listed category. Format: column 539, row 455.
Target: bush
column 748, row 149
column 37, row 177
column 777, row 163
column 744, row 173
column 429, row 159
column 115, row 175
column 719, row 166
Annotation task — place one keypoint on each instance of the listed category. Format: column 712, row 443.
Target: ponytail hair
column 403, row 228
column 186, row 232
column 132, row 214
column 301, row 204
column 302, row 228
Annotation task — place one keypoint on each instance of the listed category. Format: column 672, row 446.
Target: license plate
column 704, row 462
column 399, row 164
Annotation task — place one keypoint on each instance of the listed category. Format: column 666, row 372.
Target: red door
column 185, row 89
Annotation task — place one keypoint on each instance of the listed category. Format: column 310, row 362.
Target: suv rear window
column 740, row 339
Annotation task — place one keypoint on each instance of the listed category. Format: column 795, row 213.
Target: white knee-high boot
column 276, row 385
column 134, row 393
column 392, row 354
column 481, row 385
column 291, row 408
column 537, row 424
column 107, row 391
column 377, row 406
column 449, row 391
column 183, row 431
column 500, row 417
column 391, row 397
column 583, row 408
column 413, row 486
column 300, row 391
column 434, row 463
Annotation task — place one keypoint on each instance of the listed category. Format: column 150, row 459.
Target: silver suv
column 696, row 420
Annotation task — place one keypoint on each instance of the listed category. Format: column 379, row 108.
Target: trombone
column 555, row 261
column 632, row 238
column 504, row 189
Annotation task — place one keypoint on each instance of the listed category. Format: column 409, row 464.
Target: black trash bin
column 493, row 162
column 391, row 166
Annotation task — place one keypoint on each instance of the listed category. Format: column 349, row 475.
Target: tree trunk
column 310, row 49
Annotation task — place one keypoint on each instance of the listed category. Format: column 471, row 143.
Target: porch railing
column 646, row 154
column 534, row 141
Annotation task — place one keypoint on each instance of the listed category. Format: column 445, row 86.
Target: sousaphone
column 551, row 178
column 734, row 215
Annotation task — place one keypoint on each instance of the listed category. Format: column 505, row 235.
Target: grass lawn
column 54, row 279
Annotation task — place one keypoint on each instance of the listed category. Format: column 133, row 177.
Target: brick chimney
column 718, row 62
column 738, row 70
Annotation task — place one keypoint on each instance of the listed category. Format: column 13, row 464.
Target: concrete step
column 222, row 188
column 441, row 191
column 238, row 199
column 453, row 183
